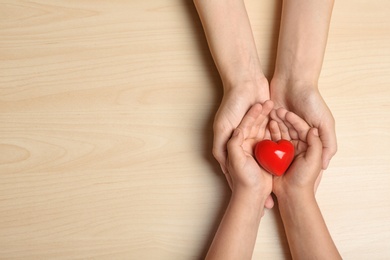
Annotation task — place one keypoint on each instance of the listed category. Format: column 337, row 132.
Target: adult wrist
column 252, row 90
column 296, row 65
column 294, row 83
column 244, row 80
column 241, row 70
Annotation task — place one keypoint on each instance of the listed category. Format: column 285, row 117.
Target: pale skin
column 281, row 128
column 229, row 34
column 232, row 45
column 301, row 48
column 305, row 228
column 251, row 185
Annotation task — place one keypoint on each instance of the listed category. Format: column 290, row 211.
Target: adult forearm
column 306, row 231
column 229, row 35
column 302, row 40
column 237, row 232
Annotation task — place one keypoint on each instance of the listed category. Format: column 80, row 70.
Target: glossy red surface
column 275, row 157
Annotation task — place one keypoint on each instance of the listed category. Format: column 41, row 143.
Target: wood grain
column 106, row 112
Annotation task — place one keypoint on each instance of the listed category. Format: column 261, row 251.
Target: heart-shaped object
column 275, row 157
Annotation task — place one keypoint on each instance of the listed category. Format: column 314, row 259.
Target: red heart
column 275, row 157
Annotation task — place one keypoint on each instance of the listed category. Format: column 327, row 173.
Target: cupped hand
column 235, row 104
column 308, row 104
column 243, row 172
column 304, row 174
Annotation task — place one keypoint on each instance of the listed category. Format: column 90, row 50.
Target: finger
column 234, row 146
column 267, row 107
column 286, row 129
column 274, row 130
column 261, row 130
column 235, row 153
column 273, row 115
column 283, row 129
column 329, row 141
column 300, row 146
column 267, row 134
column 300, row 125
column 263, row 119
column 269, row 202
column 248, row 122
column 314, row 146
column 281, row 112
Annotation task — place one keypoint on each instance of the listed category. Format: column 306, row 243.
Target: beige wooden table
column 106, row 112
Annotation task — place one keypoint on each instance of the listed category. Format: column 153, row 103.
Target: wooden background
column 106, row 111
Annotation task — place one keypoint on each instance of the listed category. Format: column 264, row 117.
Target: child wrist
column 252, row 194
column 295, row 195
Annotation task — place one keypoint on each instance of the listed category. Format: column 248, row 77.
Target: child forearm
column 237, row 232
column 306, row 231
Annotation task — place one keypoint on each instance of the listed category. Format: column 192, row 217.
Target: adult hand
column 235, row 104
column 301, row 47
column 308, row 104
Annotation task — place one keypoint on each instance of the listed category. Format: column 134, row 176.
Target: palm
column 291, row 179
column 258, row 174
column 289, row 126
column 254, row 175
column 234, row 105
column 310, row 106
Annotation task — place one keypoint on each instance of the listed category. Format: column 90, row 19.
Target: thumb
column 329, row 141
column 314, row 146
column 234, row 145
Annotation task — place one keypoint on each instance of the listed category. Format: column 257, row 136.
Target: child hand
column 304, row 173
column 244, row 173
